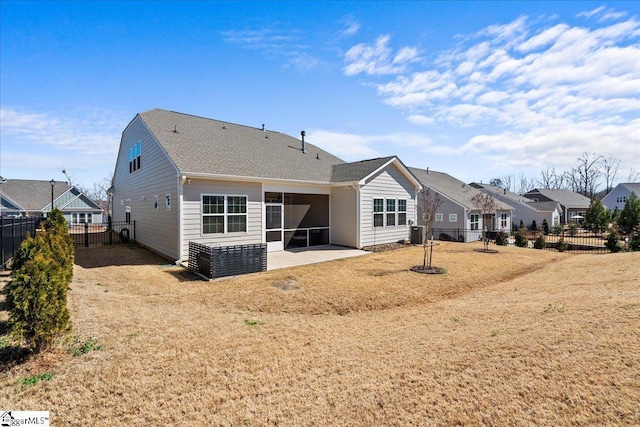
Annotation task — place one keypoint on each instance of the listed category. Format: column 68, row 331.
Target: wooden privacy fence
column 12, row 232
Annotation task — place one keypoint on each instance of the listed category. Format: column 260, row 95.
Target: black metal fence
column 12, row 232
column 213, row 262
column 571, row 241
column 109, row 233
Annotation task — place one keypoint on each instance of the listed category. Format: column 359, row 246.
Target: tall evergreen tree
column 630, row 214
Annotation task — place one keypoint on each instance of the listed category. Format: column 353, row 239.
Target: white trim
column 225, row 215
column 402, row 169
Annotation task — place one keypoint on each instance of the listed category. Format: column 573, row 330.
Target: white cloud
column 347, row 146
column 378, row 59
column 351, row 27
column 530, row 92
column 92, row 132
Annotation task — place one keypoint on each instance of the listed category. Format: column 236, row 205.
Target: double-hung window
column 439, row 217
column 475, row 221
column 135, row 152
column 402, row 212
column 503, row 220
column 378, row 212
column 391, row 212
column 224, row 214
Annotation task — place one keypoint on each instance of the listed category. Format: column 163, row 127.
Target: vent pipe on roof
column 175, row 128
column 263, row 127
column 302, row 134
column 427, row 170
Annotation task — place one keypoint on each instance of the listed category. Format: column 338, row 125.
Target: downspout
column 358, row 216
column 181, row 181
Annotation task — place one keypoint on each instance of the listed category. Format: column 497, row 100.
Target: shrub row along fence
column 12, row 232
column 576, row 241
column 110, row 233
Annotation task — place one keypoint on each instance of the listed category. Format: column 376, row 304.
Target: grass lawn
column 521, row 337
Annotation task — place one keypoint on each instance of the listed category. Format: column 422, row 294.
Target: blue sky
column 475, row 89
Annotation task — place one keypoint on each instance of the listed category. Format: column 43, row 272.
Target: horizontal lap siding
column 389, row 183
column 157, row 176
column 344, row 218
column 192, row 212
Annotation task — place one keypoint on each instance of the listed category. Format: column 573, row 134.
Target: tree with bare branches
column 429, row 202
column 487, row 205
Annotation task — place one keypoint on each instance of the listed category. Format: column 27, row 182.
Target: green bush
column 533, row 226
column 521, row 239
column 634, row 241
column 502, row 238
column 613, row 242
column 545, row 227
column 540, row 243
column 561, row 245
column 556, row 229
column 37, row 293
column 573, row 229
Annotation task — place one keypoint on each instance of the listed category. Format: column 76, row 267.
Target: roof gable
column 33, row 195
column 452, row 188
column 363, row 170
column 205, row 147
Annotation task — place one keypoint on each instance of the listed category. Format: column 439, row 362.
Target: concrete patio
column 303, row 256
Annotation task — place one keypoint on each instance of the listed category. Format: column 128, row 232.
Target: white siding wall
column 192, row 211
column 388, row 183
column 155, row 228
column 344, row 216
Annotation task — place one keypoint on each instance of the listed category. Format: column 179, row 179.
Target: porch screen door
column 273, row 221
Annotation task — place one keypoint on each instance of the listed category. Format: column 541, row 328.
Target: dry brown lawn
column 522, row 337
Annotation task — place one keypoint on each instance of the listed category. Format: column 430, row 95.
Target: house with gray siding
column 524, row 209
column 574, row 205
column 617, row 197
column 458, row 218
column 185, row 178
column 32, row 198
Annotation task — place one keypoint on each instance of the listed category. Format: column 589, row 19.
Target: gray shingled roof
column 504, row 193
column 32, row 195
column 452, row 188
column 212, row 147
column 566, row 198
column 355, row 171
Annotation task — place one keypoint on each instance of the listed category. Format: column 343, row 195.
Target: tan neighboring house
column 184, row 178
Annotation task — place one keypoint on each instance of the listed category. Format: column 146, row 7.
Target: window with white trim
column 135, row 153
column 402, row 212
column 378, row 212
column 391, row 212
column 439, row 217
column 224, row 214
column 475, row 221
column 503, row 220
column 453, row 217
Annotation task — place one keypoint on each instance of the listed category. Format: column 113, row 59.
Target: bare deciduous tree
column 610, row 170
column 428, row 205
column 487, row 205
column 524, row 185
column 634, row 175
column 587, row 174
column 508, row 182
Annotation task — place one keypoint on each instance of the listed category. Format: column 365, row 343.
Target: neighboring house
column 573, row 205
column 619, row 195
column 185, row 178
column 524, row 209
column 32, row 198
column 458, row 217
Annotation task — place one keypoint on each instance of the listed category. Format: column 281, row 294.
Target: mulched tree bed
column 486, row 251
column 427, row 270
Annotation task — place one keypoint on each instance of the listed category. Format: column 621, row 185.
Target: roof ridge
column 212, row 120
